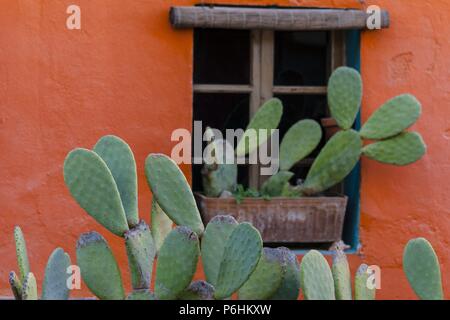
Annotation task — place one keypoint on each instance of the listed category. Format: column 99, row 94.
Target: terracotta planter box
column 302, row 220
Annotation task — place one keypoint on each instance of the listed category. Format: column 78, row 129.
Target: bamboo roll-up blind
column 271, row 19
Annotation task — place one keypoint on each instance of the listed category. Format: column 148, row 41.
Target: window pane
column 221, row 56
column 220, row 111
column 301, row 58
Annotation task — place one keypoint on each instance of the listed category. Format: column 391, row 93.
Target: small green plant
column 386, row 127
column 24, row 286
column 231, row 252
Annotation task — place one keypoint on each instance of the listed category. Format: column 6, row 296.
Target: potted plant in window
column 304, row 212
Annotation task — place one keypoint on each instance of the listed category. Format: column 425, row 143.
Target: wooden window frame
column 262, row 88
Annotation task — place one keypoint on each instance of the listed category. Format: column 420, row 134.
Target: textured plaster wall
column 128, row 73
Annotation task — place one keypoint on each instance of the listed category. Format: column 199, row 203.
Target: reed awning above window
column 270, row 18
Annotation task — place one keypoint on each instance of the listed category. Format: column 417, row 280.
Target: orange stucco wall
column 128, row 73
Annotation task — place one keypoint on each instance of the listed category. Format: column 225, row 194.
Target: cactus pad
column 92, row 185
column 177, row 262
column 198, row 290
column 99, row 268
column 141, row 252
column 401, row 150
column 336, row 160
column 241, row 255
column 268, row 117
column 276, row 184
column 161, row 225
column 362, row 291
column 214, row 240
column 341, row 275
column 120, row 160
column 300, row 140
column 344, row 96
column 218, row 178
column 172, row 192
column 21, row 253
column 16, row 285
column 290, row 285
column 29, row 289
column 421, row 266
column 392, row 118
column 55, row 280
column 267, row 277
column 316, row 277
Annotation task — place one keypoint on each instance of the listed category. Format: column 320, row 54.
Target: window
column 244, row 56
column 235, row 71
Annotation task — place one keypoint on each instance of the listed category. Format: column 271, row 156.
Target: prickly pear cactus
column 341, row 275
column 392, row 118
column 92, row 185
column 172, row 192
column 120, row 160
column 198, row 290
column 267, row 277
column 276, row 184
column 289, row 288
column 29, row 289
column 213, row 245
column 141, row 252
column 21, row 253
column 300, row 140
column 345, row 96
column 316, row 277
column 401, row 150
column 336, row 160
column 268, row 117
column 55, row 280
column 421, row 266
column 161, row 225
column 239, row 260
column 99, row 268
column 176, row 264
column 362, row 289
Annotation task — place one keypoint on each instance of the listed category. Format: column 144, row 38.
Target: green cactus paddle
column 316, row 277
column 92, row 185
column 213, row 245
column 55, row 280
column 161, row 225
column 172, row 192
column 176, row 264
column 401, row 150
column 345, row 96
column 240, row 258
column 99, row 268
column 120, row 160
column 421, row 266
column 392, row 118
